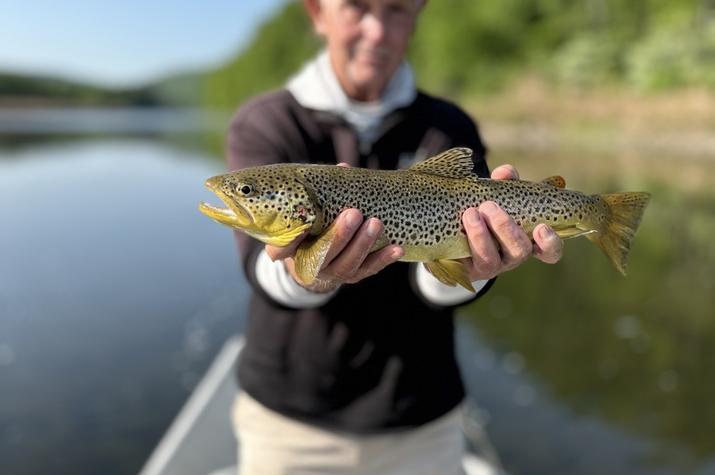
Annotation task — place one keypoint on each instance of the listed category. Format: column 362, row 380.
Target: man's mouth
column 373, row 54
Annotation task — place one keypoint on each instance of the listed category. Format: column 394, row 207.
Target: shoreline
column 668, row 137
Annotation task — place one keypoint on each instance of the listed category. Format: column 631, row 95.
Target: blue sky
column 124, row 43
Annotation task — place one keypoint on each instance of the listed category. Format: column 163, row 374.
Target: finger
column 378, row 260
column 344, row 164
column 486, row 261
column 505, row 172
column 346, row 264
column 515, row 245
column 277, row 252
column 346, row 225
column 548, row 246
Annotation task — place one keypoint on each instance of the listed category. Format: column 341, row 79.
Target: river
column 115, row 293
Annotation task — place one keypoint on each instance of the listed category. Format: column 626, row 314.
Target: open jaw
column 233, row 215
column 226, row 216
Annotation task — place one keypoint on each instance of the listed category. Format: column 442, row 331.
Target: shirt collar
column 316, row 87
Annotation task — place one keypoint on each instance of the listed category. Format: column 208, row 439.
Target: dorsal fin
column 454, row 163
column 556, row 180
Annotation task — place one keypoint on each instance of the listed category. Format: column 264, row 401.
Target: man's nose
column 373, row 26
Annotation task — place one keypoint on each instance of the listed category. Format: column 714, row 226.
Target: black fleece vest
column 376, row 356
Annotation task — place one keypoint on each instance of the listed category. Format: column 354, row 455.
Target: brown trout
column 421, row 209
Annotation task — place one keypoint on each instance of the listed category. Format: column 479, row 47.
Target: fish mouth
column 233, row 215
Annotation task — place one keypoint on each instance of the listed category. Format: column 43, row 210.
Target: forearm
column 277, row 283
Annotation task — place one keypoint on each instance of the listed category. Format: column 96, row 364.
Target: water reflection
column 636, row 353
column 92, row 120
column 535, row 432
column 115, row 293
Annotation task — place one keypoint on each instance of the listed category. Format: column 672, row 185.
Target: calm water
column 597, row 373
column 115, row 293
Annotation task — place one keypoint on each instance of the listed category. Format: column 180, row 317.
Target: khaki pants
column 272, row 444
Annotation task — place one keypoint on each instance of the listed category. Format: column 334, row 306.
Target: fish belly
column 454, row 247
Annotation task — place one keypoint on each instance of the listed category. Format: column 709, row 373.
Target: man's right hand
column 349, row 259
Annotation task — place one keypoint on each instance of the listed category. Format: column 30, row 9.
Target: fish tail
column 615, row 235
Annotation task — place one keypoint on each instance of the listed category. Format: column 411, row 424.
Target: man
column 356, row 373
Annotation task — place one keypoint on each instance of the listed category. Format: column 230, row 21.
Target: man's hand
column 349, row 259
column 491, row 230
column 498, row 244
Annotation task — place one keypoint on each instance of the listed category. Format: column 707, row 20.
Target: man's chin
column 370, row 80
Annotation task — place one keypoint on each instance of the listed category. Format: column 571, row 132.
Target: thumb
column 505, row 172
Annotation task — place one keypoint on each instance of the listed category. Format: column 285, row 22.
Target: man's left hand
column 498, row 244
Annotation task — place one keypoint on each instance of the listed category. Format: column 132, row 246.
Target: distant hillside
column 181, row 89
column 42, row 90
column 462, row 48
column 281, row 45
column 25, row 90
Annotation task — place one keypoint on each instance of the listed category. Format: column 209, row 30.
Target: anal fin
column 450, row 272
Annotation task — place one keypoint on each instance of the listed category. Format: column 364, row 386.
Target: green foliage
column 460, row 48
column 180, row 90
column 587, row 61
column 454, row 56
column 17, row 86
column 674, row 57
column 702, row 61
column 660, row 61
column 277, row 51
column 463, row 48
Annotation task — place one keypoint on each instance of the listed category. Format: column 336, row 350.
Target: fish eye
column 245, row 189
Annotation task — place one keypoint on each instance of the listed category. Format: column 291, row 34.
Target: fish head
column 269, row 203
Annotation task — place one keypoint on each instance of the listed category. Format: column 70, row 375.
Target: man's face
column 366, row 40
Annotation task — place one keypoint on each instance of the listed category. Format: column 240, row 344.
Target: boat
column 200, row 439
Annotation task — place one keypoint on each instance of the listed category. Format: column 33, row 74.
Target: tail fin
column 616, row 235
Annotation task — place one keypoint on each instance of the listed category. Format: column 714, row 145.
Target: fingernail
column 545, row 232
column 351, row 219
column 472, row 217
column 397, row 253
column 373, row 228
column 488, row 206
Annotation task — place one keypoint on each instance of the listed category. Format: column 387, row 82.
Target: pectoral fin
column 283, row 239
column 450, row 272
column 310, row 255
